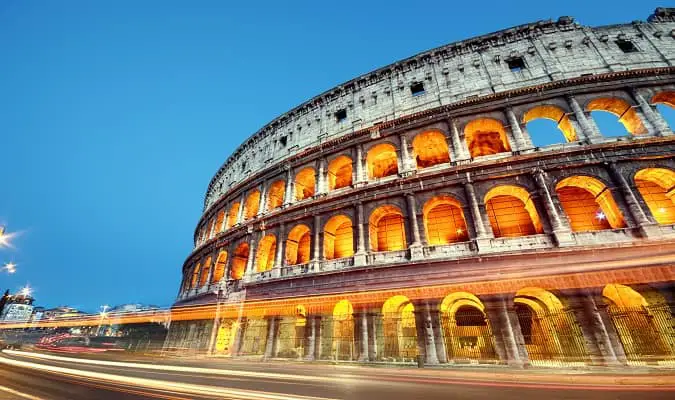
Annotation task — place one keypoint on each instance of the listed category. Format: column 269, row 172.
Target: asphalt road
column 23, row 376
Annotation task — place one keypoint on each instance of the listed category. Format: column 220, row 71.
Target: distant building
column 18, row 308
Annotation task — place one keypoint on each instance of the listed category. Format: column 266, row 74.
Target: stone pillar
column 251, row 257
column 523, row 141
column 653, row 117
column 223, row 225
column 647, row 228
column 317, row 254
column 242, row 205
column 311, row 340
column 362, row 319
column 425, row 334
column 263, row 195
column 406, row 162
column 289, row 196
column 588, row 128
column 561, row 229
column 416, row 251
column 506, row 328
column 238, row 335
column 483, row 235
column 271, row 334
column 279, row 256
column 318, row 344
column 459, row 149
column 358, row 160
column 372, row 336
column 439, row 340
column 321, row 186
column 360, row 255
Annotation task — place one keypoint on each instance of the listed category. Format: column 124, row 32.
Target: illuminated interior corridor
column 588, row 204
column 430, row 148
column 340, row 173
column 444, row 221
column 382, row 161
column 386, row 229
column 486, row 137
column 657, row 187
column 298, row 245
column 511, row 212
column 338, row 239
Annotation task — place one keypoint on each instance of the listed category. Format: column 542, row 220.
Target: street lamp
column 25, row 291
column 10, row 267
column 5, row 237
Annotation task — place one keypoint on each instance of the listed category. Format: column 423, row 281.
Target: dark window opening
column 626, row 46
column 341, row 115
column 243, row 166
column 516, row 64
column 417, row 88
column 283, row 140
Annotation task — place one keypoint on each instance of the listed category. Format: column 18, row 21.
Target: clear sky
column 114, row 115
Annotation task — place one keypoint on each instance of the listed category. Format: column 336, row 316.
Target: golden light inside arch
column 252, row 204
column 233, row 215
column 398, row 326
column 588, row 204
column 305, row 184
column 512, row 212
column 430, row 148
column 298, row 245
column 275, row 195
column 204, row 274
column 555, row 114
column 444, row 221
column 657, row 187
column 266, row 251
column 239, row 261
column 220, row 219
column 453, row 301
column 540, row 300
column 195, row 275
column 619, row 107
column 338, row 238
column 382, row 161
column 486, row 136
column 386, row 229
column 221, row 263
column 667, row 98
column 340, row 173
column 624, row 296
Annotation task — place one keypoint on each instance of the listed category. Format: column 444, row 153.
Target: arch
column 204, row 275
column 486, row 136
column 221, row 263
column 340, row 173
column 382, row 161
column 386, row 229
column 239, row 261
column 666, row 97
column 512, row 212
column 588, row 204
column 338, row 238
column 233, row 215
column 220, row 219
column 444, row 221
column 430, row 148
column 305, row 184
column 466, row 329
column 298, row 245
column 628, row 117
column 266, row 251
column 276, row 194
column 252, row 204
column 398, row 325
column 343, row 330
column 555, row 114
column 195, row 275
column 657, row 187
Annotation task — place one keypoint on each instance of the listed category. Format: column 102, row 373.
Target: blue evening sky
column 114, row 115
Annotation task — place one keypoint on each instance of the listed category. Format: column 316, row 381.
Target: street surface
column 49, row 376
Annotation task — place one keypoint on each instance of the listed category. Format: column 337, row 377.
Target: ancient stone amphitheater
column 409, row 215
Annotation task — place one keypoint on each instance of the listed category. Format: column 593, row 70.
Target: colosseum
column 408, row 214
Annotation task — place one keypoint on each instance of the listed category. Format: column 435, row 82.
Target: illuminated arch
column 657, row 187
column 298, row 245
column 430, row 148
column 340, row 173
column 338, row 238
column 486, row 136
column 275, row 196
column 555, row 114
column 343, row 330
column 512, row 212
column 252, row 204
column 195, row 275
column 386, row 228
column 221, row 263
column 466, row 328
column 444, row 221
column 265, row 256
column 204, row 275
column 588, row 204
column 382, row 161
column 233, row 215
column 239, row 261
column 619, row 107
column 624, row 296
column 666, row 97
column 398, row 325
column 305, row 184
column 219, row 221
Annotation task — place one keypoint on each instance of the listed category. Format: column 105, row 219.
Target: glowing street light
column 600, row 215
column 26, row 291
column 10, row 267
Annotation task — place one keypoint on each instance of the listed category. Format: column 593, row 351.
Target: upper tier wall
column 550, row 51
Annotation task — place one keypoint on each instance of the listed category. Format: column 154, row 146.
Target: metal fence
column 647, row 333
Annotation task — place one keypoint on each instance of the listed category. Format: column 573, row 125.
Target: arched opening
column 430, row 148
column 211, row 228
column 340, row 173
column 551, row 333
column 485, row 137
column 305, row 184
column 343, row 330
column 275, row 196
column 646, row 330
column 542, row 136
column 251, row 205
column 338, row 238
column 221, row 263
column 298, row 245
column 665, row 105
column 382, row 161
column 291, row 334
column 398, row 323
column 233, row 215
column 657, row 187
column 627, row 115
column 204, row 275
column 239, row 261
column 195, row 275
column 266, row 250
column 588, row 204
column 219, row 221
column 512, row 212
column 386, row 229
column 466, row 329
column 444, row 221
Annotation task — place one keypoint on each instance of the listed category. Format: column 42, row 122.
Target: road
column 44, row 376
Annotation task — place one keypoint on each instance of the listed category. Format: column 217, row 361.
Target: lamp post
column 103, row 314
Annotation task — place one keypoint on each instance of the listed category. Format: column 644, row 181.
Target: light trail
column 20, row 394
column 161, row 385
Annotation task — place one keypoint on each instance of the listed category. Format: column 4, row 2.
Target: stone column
column 588, row 128
column 238, row 335
column 362, row 319
column 360, row 255
column 653, row 117
column 459, row 149
column 223, row 225
column 372, row 336
column 416, row 251
column 279, row 256
column 647, row 228
column 523, row 141
column 506, row 328
column 407, row 163
column 483, row 235
column 289, row 196
column 317, row 255
column 321, row 187
column 425, row 334
column 561, row 229
column 271, row 333
column 311, row 340
column 358, row 160
column 439, row 340
column 240, row 212
column 263, row 196
column 251, row 257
